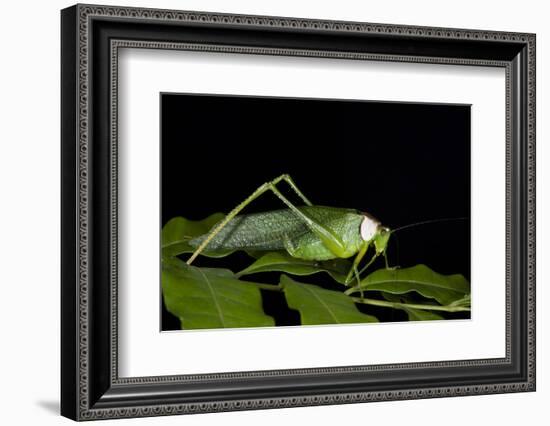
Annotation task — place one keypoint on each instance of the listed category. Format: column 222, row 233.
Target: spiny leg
column 387, row 263
column 353, row 289
column 291, row 183
column 358, row 278
column 329, row 240
column 325, row 235
column 370, row 262
column 360, row 254
column 354, row 267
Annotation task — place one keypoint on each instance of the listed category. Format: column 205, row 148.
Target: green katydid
column 307, row 232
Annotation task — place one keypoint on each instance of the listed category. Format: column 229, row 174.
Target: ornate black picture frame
column 91, row 37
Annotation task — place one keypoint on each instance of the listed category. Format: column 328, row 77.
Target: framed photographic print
column 263, row 212
column 322, row 246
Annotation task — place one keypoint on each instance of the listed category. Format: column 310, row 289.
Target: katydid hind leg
column 291, row 183
column 331, row 241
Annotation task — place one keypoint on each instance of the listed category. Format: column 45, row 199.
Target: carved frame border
column 85, row 409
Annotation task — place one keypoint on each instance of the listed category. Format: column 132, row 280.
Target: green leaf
column 464, row 302
column 178, row 231
column 283, row 262
column 420, row 315
column 317, row 305
column 211, row 297
column 413, row 314
column 443, row 288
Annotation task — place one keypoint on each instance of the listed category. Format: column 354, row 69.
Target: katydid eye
column 368, row 228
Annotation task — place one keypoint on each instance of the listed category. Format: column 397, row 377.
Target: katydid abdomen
column 284, row 230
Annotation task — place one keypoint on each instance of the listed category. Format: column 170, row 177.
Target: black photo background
column 400, row 162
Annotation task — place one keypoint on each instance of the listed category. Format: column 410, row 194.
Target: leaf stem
column 397, row 305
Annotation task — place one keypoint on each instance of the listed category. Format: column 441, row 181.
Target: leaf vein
column 214, row 297
column 324, row 304
column 428, row 284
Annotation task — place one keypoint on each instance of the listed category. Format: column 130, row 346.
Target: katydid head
column 381, row 239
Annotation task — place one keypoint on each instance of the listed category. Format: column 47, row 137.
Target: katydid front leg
column 331, row 241
column 373, row 258
column 351, row 290
column 387, row 263
column 370, row 262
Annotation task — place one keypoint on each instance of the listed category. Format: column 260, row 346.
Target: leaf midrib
column 304, row 263
column 415, row 282
column 214, row 297
column 324, row 304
